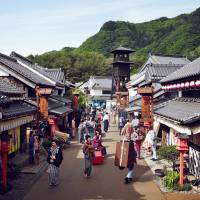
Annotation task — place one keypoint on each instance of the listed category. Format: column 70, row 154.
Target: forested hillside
column 179, row 35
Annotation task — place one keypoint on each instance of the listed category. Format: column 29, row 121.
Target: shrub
column 185, row 187
column 169, row 153
column 171, row 180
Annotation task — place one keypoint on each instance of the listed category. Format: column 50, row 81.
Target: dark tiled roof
column 104, row 82
column 4, row 100
column 165, row 60
column 154, row 73
column 56, row 74
column 170, row 59
column 18, row 108
column 61, row 99
column 60, row 110
column 122, row 49
column 8, row 88
column 190, row 70
column 13, row 65
column 57, row 107
column 183, row 110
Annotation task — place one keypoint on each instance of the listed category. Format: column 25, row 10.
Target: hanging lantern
column 174, row 86
column 197, row 83
column 178, row 85
column 182, row 85
column 187, row 85
column 167, row 87
column 192, row 84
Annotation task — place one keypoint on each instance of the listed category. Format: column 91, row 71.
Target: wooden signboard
column 45, row 90
column 145, row 90
column 44, row 106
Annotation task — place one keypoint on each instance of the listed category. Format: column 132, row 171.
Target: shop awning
column 14, row 123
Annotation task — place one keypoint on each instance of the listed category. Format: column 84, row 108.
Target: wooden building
column 182, row 114
column 15, row 115
column 148, row 87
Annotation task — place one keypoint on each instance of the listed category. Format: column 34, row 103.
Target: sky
column 37, row 26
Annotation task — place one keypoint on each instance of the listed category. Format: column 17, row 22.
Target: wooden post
column 38, row 107
column 181, row 179
column 4, row 154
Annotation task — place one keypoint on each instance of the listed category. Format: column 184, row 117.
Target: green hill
column 178, row 35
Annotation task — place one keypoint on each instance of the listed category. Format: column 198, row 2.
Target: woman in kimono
column 97, row 143
column 54, row 159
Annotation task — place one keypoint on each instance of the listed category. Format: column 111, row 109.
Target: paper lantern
column 192, row 84
column 182, row 85
column 178, row 85
column 187, row 85
column 197, row 83
column 174, row 86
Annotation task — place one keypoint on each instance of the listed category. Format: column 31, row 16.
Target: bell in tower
column 121, row 71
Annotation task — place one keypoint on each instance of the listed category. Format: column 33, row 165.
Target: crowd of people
column 90, row 133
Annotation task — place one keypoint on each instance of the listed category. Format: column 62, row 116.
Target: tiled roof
column 56, row 74
column 183, row 110
column 190, row 70
column 104, row 82
column 165, row 60
column 57, row 107
column 60, row 110
column 61, row 99
column 4, row 100
column 171, row 60
column 13, row 65
column 153, row 73
column 18, row 108
column 122, row 49
column 8, row 88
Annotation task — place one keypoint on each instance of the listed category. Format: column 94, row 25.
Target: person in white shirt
column 153, row 142
column 135, row 122
column 106, row 122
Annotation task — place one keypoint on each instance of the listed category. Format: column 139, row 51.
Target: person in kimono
column 54, row 159
column 88, row 151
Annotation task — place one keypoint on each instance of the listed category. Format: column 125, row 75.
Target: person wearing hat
column 54, row 159
column 88, row 151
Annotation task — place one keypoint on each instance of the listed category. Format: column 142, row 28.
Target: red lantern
column 192, row 84
column 197, row 83
column 187, row 85
column 182, row 85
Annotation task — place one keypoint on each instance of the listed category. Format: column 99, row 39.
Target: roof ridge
column 7, row 57
column 168, row 55
column 15, row 54
column 165, row 65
